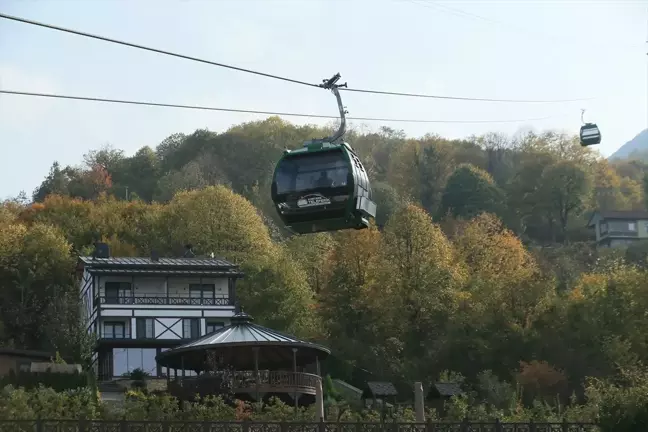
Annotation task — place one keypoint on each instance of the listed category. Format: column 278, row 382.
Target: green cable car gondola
column 323, row 186
column 589, row 133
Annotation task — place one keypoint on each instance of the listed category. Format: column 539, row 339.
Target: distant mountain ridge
column 638, row 144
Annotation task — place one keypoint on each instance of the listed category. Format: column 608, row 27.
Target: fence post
column 498, row 425
column 321, row 425
column 39, row 425
column 565, row 425
column 245, row 427
column 83, row 425
column 532, row 426
column 123, row 426
column 464, row 425
column 428, row 425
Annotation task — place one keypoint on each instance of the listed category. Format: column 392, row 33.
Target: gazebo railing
column 278, row 379
column 244, row 381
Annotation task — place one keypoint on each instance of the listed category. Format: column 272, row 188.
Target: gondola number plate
column 312, row 201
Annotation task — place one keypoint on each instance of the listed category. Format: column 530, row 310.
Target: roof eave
column 589, row 222
column 99, row 263
column 194, row 348
column 164, row 269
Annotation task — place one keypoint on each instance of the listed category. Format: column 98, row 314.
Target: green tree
column 214, row 219
column 276, row 292
column 469, row 192
column 56, row 183
column 347, row 301
column 188, row 178
column 566, row 188
column 312, row 253
column 420, row 276
column 36, row 269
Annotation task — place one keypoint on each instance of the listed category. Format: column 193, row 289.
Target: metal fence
column 248, row 426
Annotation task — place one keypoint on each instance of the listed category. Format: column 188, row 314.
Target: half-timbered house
column 139, row 307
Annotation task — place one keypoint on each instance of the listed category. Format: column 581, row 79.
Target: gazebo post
column 319, row 394
column 256, row 371
column 183, row 369
column 294, row 350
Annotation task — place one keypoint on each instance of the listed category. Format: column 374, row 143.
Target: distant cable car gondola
column 323, row 186
column 589, row 133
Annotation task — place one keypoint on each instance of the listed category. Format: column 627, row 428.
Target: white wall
column 163, row 328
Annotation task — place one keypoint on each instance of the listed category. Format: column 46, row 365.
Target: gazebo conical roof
column 235, row 345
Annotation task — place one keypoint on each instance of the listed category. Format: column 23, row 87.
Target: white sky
column 517, row 50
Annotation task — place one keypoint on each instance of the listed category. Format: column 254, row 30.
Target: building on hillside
column 139, row 307
column 20, row 360
column 439, row 393
column 619, row 228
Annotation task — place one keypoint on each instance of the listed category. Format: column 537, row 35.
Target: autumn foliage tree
column 479, row 262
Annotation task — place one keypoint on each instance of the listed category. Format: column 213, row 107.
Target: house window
column 603, row 227
column 126, row 360
column 114, row 330
column 118, row 292
column 213, row 326
column 24, row 365
column 202, row 294
column 632, row 226
column 145, row 328
column 190, row 328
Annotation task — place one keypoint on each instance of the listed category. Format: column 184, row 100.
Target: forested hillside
column 542, row 186
column 456, row 276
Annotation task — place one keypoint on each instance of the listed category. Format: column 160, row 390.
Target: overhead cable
column 277, row 77
column 156, row 50
column 244, row 111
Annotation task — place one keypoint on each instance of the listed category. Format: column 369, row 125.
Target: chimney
column 189, row 253
column 155, row 256
column 101, row 250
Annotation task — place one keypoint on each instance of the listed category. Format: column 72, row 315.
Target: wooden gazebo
column 249, row 361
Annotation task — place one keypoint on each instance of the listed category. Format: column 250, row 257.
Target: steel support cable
column 277, row 77
column 244, row 111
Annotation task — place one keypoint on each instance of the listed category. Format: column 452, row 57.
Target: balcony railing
column 615, row 233
column 244, row 382
column 115, row 334
column 169, row 301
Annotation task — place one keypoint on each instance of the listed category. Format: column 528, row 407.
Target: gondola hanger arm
column 331, row 84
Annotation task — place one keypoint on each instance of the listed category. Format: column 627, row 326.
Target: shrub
column 56, row 381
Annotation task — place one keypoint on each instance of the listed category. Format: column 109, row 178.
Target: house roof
column 445, row 389
column 618, row 214
column 26, row 353
column 164, row 271
column 630, row 214
column 162, row 265
column 380, row 388
column 234, row 343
